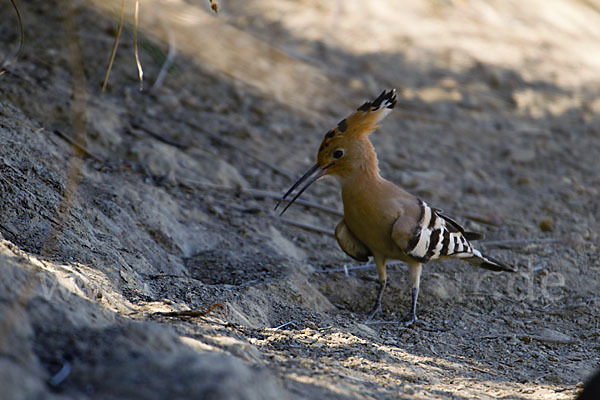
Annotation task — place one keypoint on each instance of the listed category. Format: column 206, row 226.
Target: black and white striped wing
column 437, row 235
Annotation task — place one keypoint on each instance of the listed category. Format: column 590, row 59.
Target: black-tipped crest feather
column 385, row 99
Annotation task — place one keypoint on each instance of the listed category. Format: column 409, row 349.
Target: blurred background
column 305, row 46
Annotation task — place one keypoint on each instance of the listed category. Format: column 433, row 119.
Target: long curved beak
column 314, row 173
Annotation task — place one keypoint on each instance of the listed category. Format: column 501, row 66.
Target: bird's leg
column 382, row 284
column 414, row 270
column 377, row 306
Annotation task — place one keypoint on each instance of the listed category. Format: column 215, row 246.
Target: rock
column 574, row 240
column 521, row 154
column 284, row 246
column 551, row 336
column 202, row 376
column 365, row 329
column 165, row 161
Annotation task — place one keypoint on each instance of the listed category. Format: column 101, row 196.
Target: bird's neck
column 365, row 169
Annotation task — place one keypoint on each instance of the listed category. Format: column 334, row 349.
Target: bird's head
column 346, row 147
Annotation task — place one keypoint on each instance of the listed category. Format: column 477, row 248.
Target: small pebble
column 523, row 180
column 546, row 225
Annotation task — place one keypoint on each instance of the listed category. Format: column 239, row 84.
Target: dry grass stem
column 135, row 46
column 115, row 45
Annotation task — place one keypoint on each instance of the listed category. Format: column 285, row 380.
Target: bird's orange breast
column 370, row 211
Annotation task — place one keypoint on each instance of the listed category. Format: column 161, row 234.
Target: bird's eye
column 338, row 154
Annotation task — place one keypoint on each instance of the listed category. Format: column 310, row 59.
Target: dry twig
column 347, row 268
column 517, row 243
column 158, row 136
column 305, row 226
column 256, row 158
column 189, row 313
column 527, row 337
column 485, row 219
column 76, row 145
column 169, row 60
column 283, row 325
column 260, row 194
column 61, row 375
column 115, row 45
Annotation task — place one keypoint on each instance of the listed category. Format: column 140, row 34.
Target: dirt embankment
column 498, row 124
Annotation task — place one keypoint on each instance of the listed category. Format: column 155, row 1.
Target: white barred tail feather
column 487, row 262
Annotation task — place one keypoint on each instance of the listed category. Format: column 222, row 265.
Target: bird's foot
column 373, row 312
column 412, row 321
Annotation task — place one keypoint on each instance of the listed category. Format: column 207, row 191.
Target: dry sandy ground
column 149, row 266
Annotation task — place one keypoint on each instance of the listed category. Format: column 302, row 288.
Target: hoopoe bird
column 382, row 220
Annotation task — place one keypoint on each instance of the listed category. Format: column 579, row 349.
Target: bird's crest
column 364, row 120
column 358, row 125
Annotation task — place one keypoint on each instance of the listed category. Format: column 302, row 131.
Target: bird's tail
column 486, row 262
